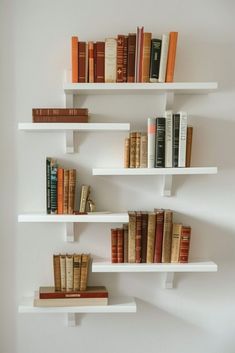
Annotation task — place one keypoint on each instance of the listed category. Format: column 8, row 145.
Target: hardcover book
column 144, row 235
column 60, row 187
column 84, row 271
column 90, row 292
column 168, row 138
column 182, row 140
column 114, row 246
column 56, row 266
column 69, row 272
column 138, row 238
column 158, row 235
column 175, row 246
column 110, row 60
column 155, row 59
column 127, row 153
column 82, row 62
column 99, row 61
column 171, row 56
column 143, row 150
column 160, row 143
column 131, row 236
column 151, row 142
column 189, row 145
column 77, row 261
column 120, row 245
column 131, row 57
column 120, row 58
column 62, row 272
column 125, row 230
column 167, row 236
column 151, row 237
column 71, row 194
column 163, row 59
column 74, row 57
column 176, row 128
column 184, row 244
column 146, row 57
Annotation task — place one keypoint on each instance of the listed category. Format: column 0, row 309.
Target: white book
column 151, row 142
column 182, row 139
column 168, row 138
column 110, row 64
column 163, row 60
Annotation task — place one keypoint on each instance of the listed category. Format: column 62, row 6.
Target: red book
column 90, row 292
column 82, row 62
column 184, row 244
column 131, row 57
column 99, row 61
column 125, row 53
column 114, row 245
column 159, row 236
column 120, row 57
column 138, row 238
column 120, row 245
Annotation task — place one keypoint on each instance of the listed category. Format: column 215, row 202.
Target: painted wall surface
column 196, row 316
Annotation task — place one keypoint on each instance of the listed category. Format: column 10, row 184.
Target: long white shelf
column 57, row 127
column 155, row 171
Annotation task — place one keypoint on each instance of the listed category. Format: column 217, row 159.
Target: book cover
column 91, row 292
column 66, row 191
column 138, row 238
column 173, row 37
column 163, row 59
column 144, row 235
column 182, row 140
column 151, row 237
column 131, row 57
column 82, row 62
column 110, row 60
column 189, row 145
column 184, row 244
column 158, row 235
column 151, row 142
column 60, row 187
column 146, row 57
column 120, row 58
column 143, row 150
column 131, row 236
column 167, row 236
column 168, row 138
column 99, row 61
column 120, row 245
column 160, row 143
column 155, row 59
column 175, row 246
column 176, row 128
column 57, row 278
column 84, row 271
column 74, row 57
column 77, row 260
column 114, row 245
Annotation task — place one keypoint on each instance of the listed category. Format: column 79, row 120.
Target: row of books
column 151, row 237
column 136, row 57
column 60, row 115
column 168, row 143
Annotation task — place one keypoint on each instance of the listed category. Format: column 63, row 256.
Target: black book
column 155, row 56
column 48, row 183
column 160, row 143
column 175, row 144
column 54, row 167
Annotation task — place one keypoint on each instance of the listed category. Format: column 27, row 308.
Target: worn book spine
column 125, row 55
column 50, row 112
column 62, row 272
column 84, row 271
column 151, row 237
column 160, row 143
column 175, row 245
column 66, row 191
column 60, row 119
column 86, row 64
column 155, row 59
column 53, row 187
column 132, row 149
column 176, row 128
column 74, row 56
column 77, row 259
column 127, row 153
column 143, row 150
column 146, row 57
column 82, row 62
column 137, row 150
column 48, row 183
column 120, row 58
column 189, row 145
column 140, row 54
column 168, row 138
column 151, row 142
column 99, row 62
column 91, row 292
column 163, row 59
column 91, row 77
column 137, row 50
column 57, row 277
column 114, row 245
column 182, row 140
column 120, row 245
column 110, row 60
column 167, row 234
column 84, row 196
column 60, row 187
column 71, row 194
column 159, row 236
column 138, row 238
column 131, row 57
column 69, row 272
column 171, row 56
column 144, row 235
column 184, row 244
column 131, row 236
column 125, row 231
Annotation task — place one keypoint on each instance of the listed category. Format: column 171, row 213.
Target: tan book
column 131, row 236
column 77, row 259
column 137, row 150
column 146, row 57
column 110, row 61
column 167, row 236
column 72, row 184
column 63, row 272
column 57, row 278
column 69, row 272
column 175, row 245
column 84, row 196
column 84, row 271
column 170, row 68
column 125, row 228
column 127, row 153
column 66, row 191
column 143, row 151
column 189, row 145
column 151, row 237
column 132, row 149
column 68, row 302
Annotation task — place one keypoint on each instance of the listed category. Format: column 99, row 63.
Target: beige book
column 69, row 272
column 137, row 150
column 131, row 236
column 175, row 244
column 127, row 153
column 167, row 236
column 125, row 227
column 63, row 272
column 84, row 271
column 66, row 191
column 146, row 57
column 63, row 302
column 57, row 277
column 151, row 237
column 77, row 259
column 84, row 196
column 143, row 150
column 132, row 149
column 110, row 60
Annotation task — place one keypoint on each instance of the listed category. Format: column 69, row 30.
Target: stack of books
column 136, row 57
column 60, row 115
column 151, row 237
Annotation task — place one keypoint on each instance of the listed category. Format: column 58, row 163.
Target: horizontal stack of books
column 151, row 237
column 136, row 57
column 167, row 144
column 60, row 115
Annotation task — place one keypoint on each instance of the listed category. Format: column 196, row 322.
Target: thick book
column 143, row 150
column 114, row 245
column 120, row 57
column 127, row 153
column 131, row 57
column 171, row 56
column 131, row 236
column 85, row 190
column 71, row 194
column 175, row 245
column 125, row 234
column 189, row 145
column 60, row 190
column 138, row 238
column 77, row 261
column 151, row 142
column 132, row 149
column 62, row 272
column 184, row 244
column 84, row 271
column 110, row 60
column 163, row 59
column 69, row 272
column 144, row 235
column 99, row 62
column 160, row 143
column 50, row 112
column 54, row 167
column 182, row 140
column 146, row 57
column 57, row 278
column 167, row 236
column 90, row 292
column 68, row 302
column 120, row 245
column 91, row 77
column 151, row 237
column 60, row 119
column 48, row 185
column 125, row 58
column 66, row 191
column 81, row 62
column 137, row 149
column 155, row 59
column 158, row 235
column 74, row 58
column 168, row 138
column 175, row 144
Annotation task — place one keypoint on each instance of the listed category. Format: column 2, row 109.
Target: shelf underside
column 89, row 218
column 154, row 171
column 89, row 127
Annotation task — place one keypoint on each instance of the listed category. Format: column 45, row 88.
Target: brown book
column 138, row 238
column 143, row 150
column 131, row 57
column 132, row 149
column 77, row 260
column 82, row 62
column 71, row 194
column 60, row 190
column 69, row 272
column 91, row 77
column 125, row 57
column 84, row 196
column 57, row 279
column 114, row 246
column 144, row 235
column 60, row 119
column 120, row 245
column 125, row 230
column 159, row 236
column 66, row 191
column 170, row 68
column 137, row 150
column 189, row 145
column 120, row 57
column 184, row 244
column 60, row 112
column 99, row 62
column 147, row 37
column 151, row 237
column 62, row 272
column 74, row 57
column 69, row 302
column 139, row 53
column 175, row 244
column 127, row 153
column 167, row 236
column 91, row 292
column 84, row 271
column 131, row 236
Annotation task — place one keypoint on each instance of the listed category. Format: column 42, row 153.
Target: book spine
column 60, row 119
column 137, row 46
column 84, row 271
column 140, row 54
column 91, row 62
column 146, row 57
column 160, row 143
column 77, row 259
column 125, row 54
column 176, row 128
column 137, row 150
column 82, row 62
column 175, row 245
column 159, row 236
column 184, row 244
column 74, row 56
column 143, row 151
column 114, row 255
column 60, row 187
column 57, row 277
column 69, row 272
column 84, row 196
column 151, row 142
column 120, row 245
column 127, row 153
column 155, row 59
column 48, row 183
column 73, row 295
column 168, row 138
column 110, row 60
column 86, row 64
column 171, row 56
column 144, row 235
column 138, row 238
column 189, row 145
column 50, row 112
column 163, row 59
column 71, row 193
column 131, row 57
column 182, row 140
column 62, row 272
column 131, row 236
column 125, row 230
column 66, row 191
column 120, row 58
column 167, row 234
column 151, row 237
column 132, row 149
column 99, row 68
column 95, row 62
column 53, row 187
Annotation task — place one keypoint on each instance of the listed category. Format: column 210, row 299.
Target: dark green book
column 156, row 45
column 160, row 143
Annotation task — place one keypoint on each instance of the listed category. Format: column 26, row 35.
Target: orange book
column 60, row 191
column 90, row 62
column 74, row 59
column 171, row 56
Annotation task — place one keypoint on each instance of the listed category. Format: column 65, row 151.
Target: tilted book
column 77, row 261
column 175, row 246
column 84, row 196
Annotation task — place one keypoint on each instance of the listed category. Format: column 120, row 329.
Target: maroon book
column 184, row 244
column 114, row 245
column 59, row 111
column 120, row 245
column 159, row 236
column 125, row 55
column 99, row 62
column 120, row 57
column 60, row 119
column 131, row 57
column 138, row 238
column 82, row 62
column 90, row 292
column 144, row 235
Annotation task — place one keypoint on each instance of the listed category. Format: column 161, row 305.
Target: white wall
column 197, row 316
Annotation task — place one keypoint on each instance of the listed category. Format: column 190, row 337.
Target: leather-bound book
column 137, row 150
column 84, row 271
column 167, row 236
column 139, row 54
column 175, row 145
column 146, row 57
column 54, row 167
column 91, row 77
column 184, row 244
column 159, row 236
column 189, row 145
column 62, row 272
column 155, row 56
column 175, row 245
column 127, row 153
column 48, row 183
column 99, row 62
column 60, row 119
column 131, row 57
column 171, row 56
column 151, row 237
column 57, row 278
column 60, row 190
column 91, row 292
column 120, row 57
column 72, row 184
column 74, row 56
column 110, row 60
column 120, row 245
column 125, row 58
column 69, row 272
column 85, row 191
column 138, row 238
column 131, row 236
column 82, row 62
column 143, row 150
column 77, row 260
column 66, row 191
column 114, row 245
column 144, row 235
column 160, row 143
column 125, row 230
column 132, row 149
column 56, row 112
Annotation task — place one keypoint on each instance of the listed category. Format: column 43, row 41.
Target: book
column 184, row 244
column 151, row 142
column 175, row 147
column 155, row 56
column 160, row 143
column 125, row 58
column 158, row 235
column 62, row 272
column 99, row 61
column 137, row 149
column 131, row 57
column 66, row 191
column 60, row 187
column 74, row 58
column 168, row 138
column 68, row 302
column 84, row 271
column 189, row 142
column 120, row 245
column 77, row 260
column 151, row 237
column 144, row 235
column 131, row 236
column 132, row 149
column 138, row 238
column 163, row 59
column 167, row 236
column 120, row 58
column 60, row 119
column 110, row 60
column 57, row 112
column 54, row 167
column 146, row 57
column 139, row 53
column 143, row 150
column 91, row 76
column 114, row 257
column 48, row 185
column 69, row 272
column 173, row 37
column 125, row 235
column 90, row 292
column 56, row 266
column 127, row 153
column 71, row 193
column 85, row 190
column 81, row 62
column 182, row 140
column 175, row 246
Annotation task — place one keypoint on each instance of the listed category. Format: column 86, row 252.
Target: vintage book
column 151, row 142
column 125, row 230
column 110, row 60
column 50, row 112
column 85, row 190
column 167, row 232
column 63, row 272
column 57, row 278
column 182, row 140
column 54, row 167
column 175, row 245
column 143, row 150
column 156, row 44
column 163, row 59
column 60, row 190
column 68, row 302
column 127, row 153
column 84, row 271
column 71, row 194
column 131, row 57
column 125, row 58
column 77, row 260
column 168, row 138
column 184, row 244
column 131, row 236
column 144, row 235
column 151, row 237
column 114, row 245
column 60, row 119
column 189, row 145
column 120, row 57
column 95, row 61
column 66, row 191
column 91, row 292
column 160, row 143
column 137, row 149
column 99, row 61
column 146, row 57
column 138, row 238
column 86, row 64
column 139, row 53
column 91, row 77
column 132, row 149
column 74, row 57
column 120, row 245
column 158, row 235
column 48, row 184
column 81, row 62
column 175, row 147
column 69, row 272
column 170, row 68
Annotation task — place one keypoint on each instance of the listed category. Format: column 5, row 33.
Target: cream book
column 110, row 60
